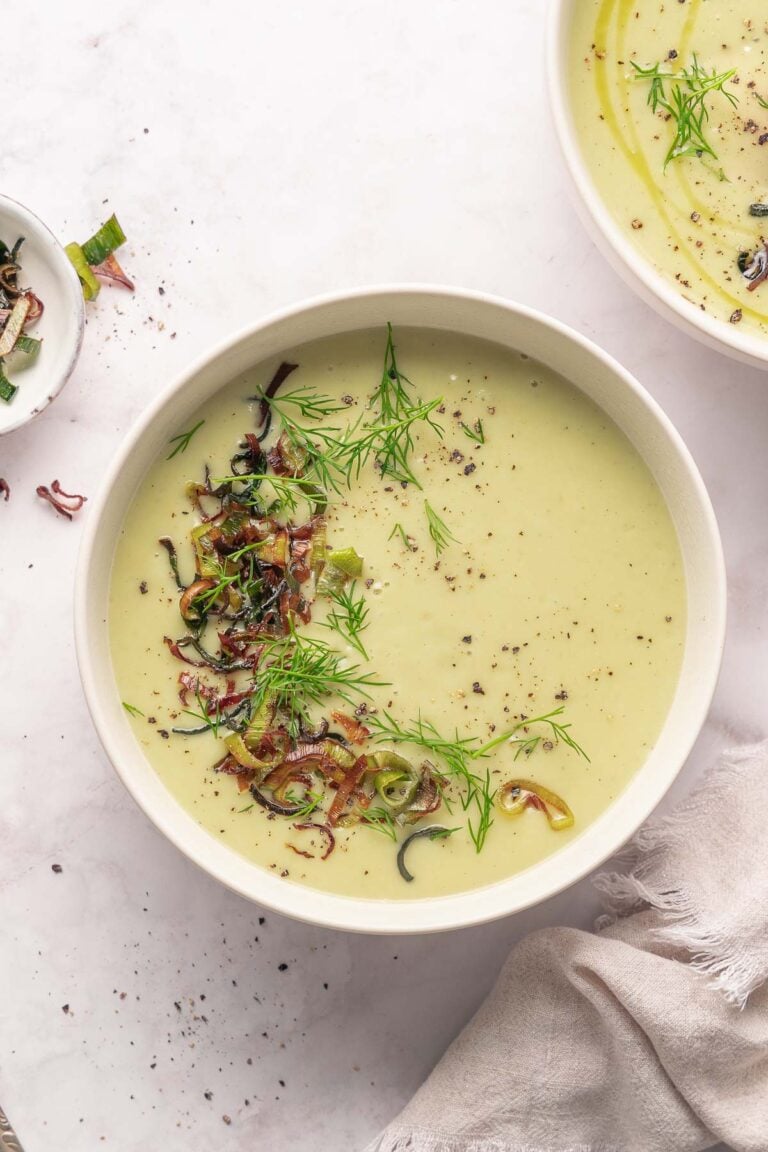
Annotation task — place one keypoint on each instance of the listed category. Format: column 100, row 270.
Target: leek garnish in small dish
column 19, row 309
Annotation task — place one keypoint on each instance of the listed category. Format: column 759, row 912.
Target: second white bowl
column 638, row 272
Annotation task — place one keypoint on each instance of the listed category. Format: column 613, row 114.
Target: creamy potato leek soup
column 399, row 615
column 670, row 101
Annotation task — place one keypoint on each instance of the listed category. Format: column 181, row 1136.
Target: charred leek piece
column 104, row 242
column 434, row 832
column 98, row 250
column 88, row 281
column 18, row 308
column 14, row 325
column 341, row 565
column 7, row 390
column 242, row 753
column 396, row 781
column 517, row 795
column 29, row 346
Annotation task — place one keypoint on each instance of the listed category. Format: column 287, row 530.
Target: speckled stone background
column 256, row 154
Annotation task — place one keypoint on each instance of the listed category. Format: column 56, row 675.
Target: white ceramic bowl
column 46, row 271
column 599, row 377
column 639, row 273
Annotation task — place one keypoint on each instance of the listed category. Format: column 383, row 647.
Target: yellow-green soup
column 691, row 219
column 559, row 585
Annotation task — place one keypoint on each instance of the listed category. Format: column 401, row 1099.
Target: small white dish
column 46, row 271
column 637, row 271
column 512, row 326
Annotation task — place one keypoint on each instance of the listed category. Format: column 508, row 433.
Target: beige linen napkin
column 649, row 1036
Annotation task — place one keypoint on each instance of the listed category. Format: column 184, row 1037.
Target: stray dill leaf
column 561, row 733
column 182, row 440
column 334, row 457
column 407, row 541
column 682, row 95
column 438, row 529
column 310, row 404
column 246, row 809
column 475, row 433
column 443, row 833
column 483, row 798
column 132, row 710
column 212, row 721
column 381, row 821
column 763, row 103
column 288, row 491
column 309, row 802
column 349, row 616
column 393, row 401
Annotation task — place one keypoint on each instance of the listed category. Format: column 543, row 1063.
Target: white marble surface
column 258, row 153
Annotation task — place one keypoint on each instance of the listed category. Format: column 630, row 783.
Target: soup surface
column 683, row 199
column 551, row 580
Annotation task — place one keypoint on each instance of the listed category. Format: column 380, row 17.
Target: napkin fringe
column 733, row 971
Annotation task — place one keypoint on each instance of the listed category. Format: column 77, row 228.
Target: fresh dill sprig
column 442, row 833
column 461, row 753
column 393, row 395
column 182, row 440
column 310, row 404
column 211, row 720
column 132, row 710
column 245, row 579
column 407, row 541
column 682, row 96
column 763, row 103
column 438, row 529
column 204, row 601
column 381, row 821
column 309, row 802
column 483, row 799
column 299, row 671
column 475, row 433
column 392, row 400
column 334, row 458
column 560, row 732
column 288, row 491
column 388, row 443
column 349, row 616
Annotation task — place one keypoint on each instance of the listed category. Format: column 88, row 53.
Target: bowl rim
column 302, row 902
column 637, row 270
column 73, row 300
